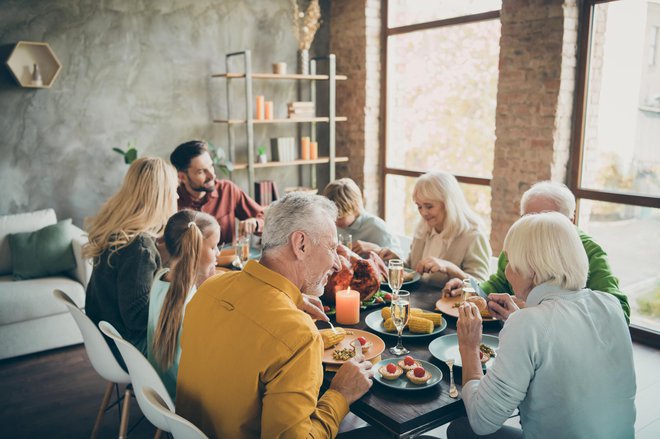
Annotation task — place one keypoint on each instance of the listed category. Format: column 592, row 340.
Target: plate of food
column 339, row 349
column 421, row 323
column 407, row 373
column 446, row 347
column 449, row 305
column 409, row 277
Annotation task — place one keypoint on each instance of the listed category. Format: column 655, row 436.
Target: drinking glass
column 346, row 239
column 395, row 275
column 243, row 250
column 400, row 314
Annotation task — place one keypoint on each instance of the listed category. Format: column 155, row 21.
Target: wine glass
column 400, row 308
column 244, row 250
column 347, row 240
column 395, row 275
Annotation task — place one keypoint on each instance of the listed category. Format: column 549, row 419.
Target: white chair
column 102, row 360
column 142, row 374
column 180, row 427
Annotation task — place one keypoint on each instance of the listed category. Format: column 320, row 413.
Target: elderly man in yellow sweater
column 251, row 363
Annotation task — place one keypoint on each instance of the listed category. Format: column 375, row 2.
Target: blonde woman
column 450, row 240
column 191, row 239
column 122, row 243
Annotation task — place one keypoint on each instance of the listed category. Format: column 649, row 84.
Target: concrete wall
column 132, row 71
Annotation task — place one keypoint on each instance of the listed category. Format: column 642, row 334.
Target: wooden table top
column 405, row 414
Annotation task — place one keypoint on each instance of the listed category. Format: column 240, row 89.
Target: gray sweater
column 118, row 291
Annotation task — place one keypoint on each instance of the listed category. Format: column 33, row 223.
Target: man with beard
column 251, row 362
column 200, row 190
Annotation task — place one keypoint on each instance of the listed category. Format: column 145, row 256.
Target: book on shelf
column 283, row 149
column 304, row 109
column 265, row 192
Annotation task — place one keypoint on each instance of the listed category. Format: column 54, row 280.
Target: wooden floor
column 57, row 394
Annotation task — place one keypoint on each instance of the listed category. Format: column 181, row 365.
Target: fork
column 332, row 326
column 453, row 392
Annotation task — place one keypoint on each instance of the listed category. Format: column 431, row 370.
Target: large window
column 616, row 150
column 441, row 87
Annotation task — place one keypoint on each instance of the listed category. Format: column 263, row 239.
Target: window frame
column 639, row 334
column 399, row 30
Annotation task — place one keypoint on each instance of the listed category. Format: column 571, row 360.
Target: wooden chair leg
column 158, row 433
column 104, row 404
column 123, row 425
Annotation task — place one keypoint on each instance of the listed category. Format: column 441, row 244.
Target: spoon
column 453, row 392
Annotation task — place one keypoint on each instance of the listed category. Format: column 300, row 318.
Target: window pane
column 622, row 150
column 441, row 108
column 401, row 214
column 404, row 12
column 635, row 259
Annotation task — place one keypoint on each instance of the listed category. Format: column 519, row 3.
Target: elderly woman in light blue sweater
column 565, row 360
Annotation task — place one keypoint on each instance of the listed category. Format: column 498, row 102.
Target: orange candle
column 304, row 148
column 347, row 304
column 268, row 111
column 313, row 150
column 259, row 113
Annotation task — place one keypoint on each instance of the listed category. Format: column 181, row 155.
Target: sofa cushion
column 33, row 299
column 44, row 252
column 22, row 222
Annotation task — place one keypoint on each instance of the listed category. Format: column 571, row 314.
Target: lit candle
column 304, row 148
column 347, row 304
column 313, row 150
column 259, row 113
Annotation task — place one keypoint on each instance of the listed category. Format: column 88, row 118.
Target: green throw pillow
column 44, row 252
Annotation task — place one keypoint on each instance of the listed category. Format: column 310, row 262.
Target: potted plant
column 129, row 155
column 261, row 155
column 219, row 160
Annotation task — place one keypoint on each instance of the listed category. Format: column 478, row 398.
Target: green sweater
column 600, row 276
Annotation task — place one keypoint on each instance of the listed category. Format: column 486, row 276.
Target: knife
column 477, row 289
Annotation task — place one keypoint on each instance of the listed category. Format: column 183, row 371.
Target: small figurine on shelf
column 261, row 155
column 36, row 76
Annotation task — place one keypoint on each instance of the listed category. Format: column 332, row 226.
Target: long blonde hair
column 184, row 237
column 443, row 187
column 144, row 202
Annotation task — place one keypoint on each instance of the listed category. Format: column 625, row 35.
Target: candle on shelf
column 304, row 148
column 259, row 113
column 313, row 150
column 347, row 304
column 268, row 110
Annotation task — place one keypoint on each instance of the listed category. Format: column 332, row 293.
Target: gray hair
column 546, row 247
column 560, row 195
column 297, row 211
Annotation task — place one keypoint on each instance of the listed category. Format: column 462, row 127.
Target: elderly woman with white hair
column 550, row 196
column 565, row 360
column 450, row 240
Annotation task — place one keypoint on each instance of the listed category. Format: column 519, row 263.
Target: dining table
column 400, row 413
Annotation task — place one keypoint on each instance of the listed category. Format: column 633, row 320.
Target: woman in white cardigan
column 450, row 240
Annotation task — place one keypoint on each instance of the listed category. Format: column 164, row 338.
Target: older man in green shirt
column 549, row 196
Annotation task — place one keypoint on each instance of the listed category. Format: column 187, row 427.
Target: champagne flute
column 400, row 314
column 395, row 275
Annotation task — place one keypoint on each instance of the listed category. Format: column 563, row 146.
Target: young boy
column 369, row 232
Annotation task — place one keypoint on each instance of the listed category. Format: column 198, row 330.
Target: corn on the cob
column 436, row 318
column 386, row 313
column 388, row 324
column 331, row 338
column 416, row 311
column 420, row 325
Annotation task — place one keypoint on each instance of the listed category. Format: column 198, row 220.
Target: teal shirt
column 370, row 228
column 156, row 299
column 600, row 275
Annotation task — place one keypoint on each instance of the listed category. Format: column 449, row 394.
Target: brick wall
column 355, row 38
column 534, row 102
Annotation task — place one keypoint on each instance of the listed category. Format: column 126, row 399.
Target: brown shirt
column 226, row 203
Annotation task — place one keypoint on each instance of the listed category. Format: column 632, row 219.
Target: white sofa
column 31, row 320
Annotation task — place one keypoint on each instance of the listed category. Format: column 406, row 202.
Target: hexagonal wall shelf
column 22, row 63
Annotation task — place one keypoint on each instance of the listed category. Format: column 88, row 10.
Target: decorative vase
column 303, row 62
column 36, row 76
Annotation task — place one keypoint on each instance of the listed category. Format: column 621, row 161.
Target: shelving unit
column 248, row 121
column 23, row 58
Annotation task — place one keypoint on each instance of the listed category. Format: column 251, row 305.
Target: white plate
column 446, row 347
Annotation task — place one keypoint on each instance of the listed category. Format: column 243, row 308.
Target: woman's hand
column 501, row 305
column 468, row 327
column 364, row 247
column 386, row 254
column 437, row 265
